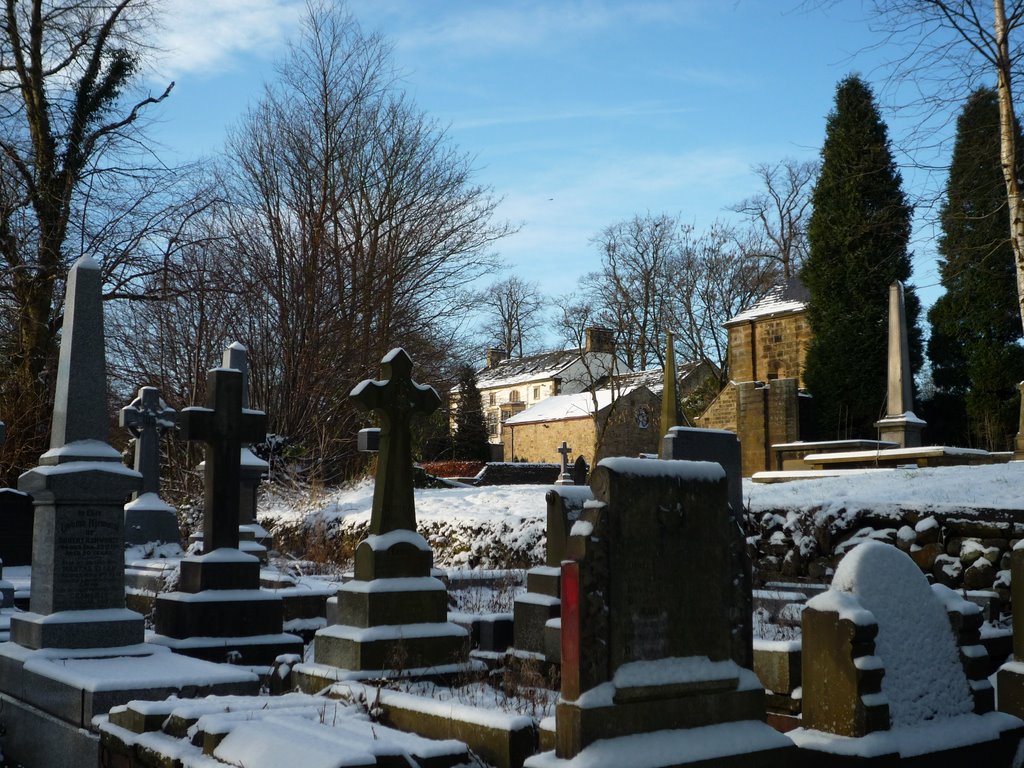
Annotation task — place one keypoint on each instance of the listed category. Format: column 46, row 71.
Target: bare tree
column 76, row 177
column 359, row 223
column 631, row 290
column 513, row 309
column 781, row 209
column 721, row 272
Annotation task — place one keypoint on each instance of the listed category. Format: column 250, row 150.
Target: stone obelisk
column 900, row 424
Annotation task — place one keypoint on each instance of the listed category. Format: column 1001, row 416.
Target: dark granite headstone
column 580, row 471
column 147, row 518
column 79, row 489
column 224, row 426
column 253, row 469
column 16, row 516
column 219, row 611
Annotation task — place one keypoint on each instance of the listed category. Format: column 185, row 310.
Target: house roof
column 562, row 407
column 565, row 407
column 523, row 370
column 783, row 299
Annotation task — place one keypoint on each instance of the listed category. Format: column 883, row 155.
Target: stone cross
column 147, row 417
column 224, row 425
column 565, row 478
column 394, row 400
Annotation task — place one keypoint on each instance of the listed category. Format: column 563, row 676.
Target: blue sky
column 578, row 113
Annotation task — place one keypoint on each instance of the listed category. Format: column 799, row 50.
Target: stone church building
column 764, row 402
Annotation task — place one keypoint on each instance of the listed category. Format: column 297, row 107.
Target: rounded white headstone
column 924, row 679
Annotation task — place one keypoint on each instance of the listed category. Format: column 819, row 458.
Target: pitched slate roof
column 784, row 299
column 523, row 370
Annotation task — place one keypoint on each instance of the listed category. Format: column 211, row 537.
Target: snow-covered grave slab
column 259, row 732
column 501, row 738
column 882, row 667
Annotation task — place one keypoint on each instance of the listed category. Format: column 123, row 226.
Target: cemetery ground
column 484, row 538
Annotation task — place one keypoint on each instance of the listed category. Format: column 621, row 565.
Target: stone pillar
column 900, row 425
column 79, row 490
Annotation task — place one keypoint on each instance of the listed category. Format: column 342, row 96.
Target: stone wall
column 761, row 414
column 622, row 434
column 780, row 345
column 721, row 414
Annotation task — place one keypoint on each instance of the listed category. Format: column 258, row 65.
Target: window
column 513, row 396
column 492, row 424
column 536, row 393
column 490, row 398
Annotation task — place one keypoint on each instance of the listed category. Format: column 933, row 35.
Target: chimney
column 495, row 356
column 600, row 340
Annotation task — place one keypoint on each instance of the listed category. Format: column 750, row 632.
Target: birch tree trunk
column 1008, row 146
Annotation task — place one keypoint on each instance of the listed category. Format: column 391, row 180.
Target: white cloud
column 472, row 28
column 210, row 35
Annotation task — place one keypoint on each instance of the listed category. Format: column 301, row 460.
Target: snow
column 650, row 750
column 437, row 706
column 562, row 407
column 225, row 555
column 846, row 605
column 392, row 631
column 582, row 528
column 924, row 679
column 135, row 667
column 674, row 671
column 402, row 584
column 385, row 541
column 918, row 739
column 701, row 471
column 148, row 501
column 929, row 489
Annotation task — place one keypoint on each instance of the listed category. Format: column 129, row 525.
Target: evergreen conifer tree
column 470, row 440
column 975, row 357
column 858, row 234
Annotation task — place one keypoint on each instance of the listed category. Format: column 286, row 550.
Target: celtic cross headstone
column 148, row 417
column 394, row 399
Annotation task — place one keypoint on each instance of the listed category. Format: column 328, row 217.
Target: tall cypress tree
column 973, row 348
column 470, row 440
column 858, row 236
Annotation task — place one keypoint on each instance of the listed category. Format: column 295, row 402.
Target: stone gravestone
column 649, row 642
column 580, row 471
column 536, row 628
column 79, row 490
column 16, row 515
column 722, row 447
column 564, row 476
column 393, row 615
column 147, row 518
column 79, row 651
column 884, row 676
column 219, row 612
column 1010, row 678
